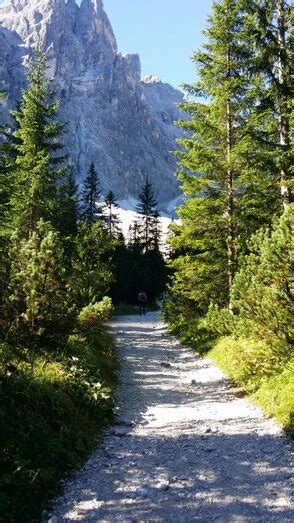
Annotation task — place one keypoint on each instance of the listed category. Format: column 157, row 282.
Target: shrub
column 37, row 296
column 92, row 318
column 262, row 294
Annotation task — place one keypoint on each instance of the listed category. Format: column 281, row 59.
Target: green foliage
column 92, row 318
column 52, row 412
column 263, row 292
column 231, row 257
column 147, row 233
column 38, row 307
column 110, row 217
column 37, row 165
column 90, row 196
column 253, row 365
column 92, row 268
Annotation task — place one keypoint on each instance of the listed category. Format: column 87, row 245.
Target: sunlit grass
column 53, row 407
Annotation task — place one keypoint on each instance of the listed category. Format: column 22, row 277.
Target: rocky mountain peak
column 123, row 123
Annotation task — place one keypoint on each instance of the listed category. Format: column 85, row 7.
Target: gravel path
column 185, row 447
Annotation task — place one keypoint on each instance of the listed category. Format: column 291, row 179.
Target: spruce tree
column 148, row 216
column 210, row 176
column 271, row 34
column 90, row 196
column 111, row 218
column 68, row 205
column 38, row 164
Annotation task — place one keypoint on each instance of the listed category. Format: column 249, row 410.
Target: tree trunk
column 283, row 100
column 230, row 192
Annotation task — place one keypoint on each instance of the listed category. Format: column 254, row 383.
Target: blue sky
column 163, row 32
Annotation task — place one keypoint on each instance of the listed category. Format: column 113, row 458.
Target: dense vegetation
column 63, row 258
column 232, row 258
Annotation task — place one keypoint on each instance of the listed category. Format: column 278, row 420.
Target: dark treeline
column 232, row 252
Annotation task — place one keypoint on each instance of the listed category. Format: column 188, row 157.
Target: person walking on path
column 142, row 301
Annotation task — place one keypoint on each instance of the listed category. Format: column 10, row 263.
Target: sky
column 163, row 32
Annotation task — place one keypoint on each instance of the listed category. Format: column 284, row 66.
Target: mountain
column 121, row 122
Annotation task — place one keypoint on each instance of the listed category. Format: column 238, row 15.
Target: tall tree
column 90, row 196
column 38, row 164
column 269, row 25
column 112, row 220
column 210, row 171
column 148, row 215
column 68, row 205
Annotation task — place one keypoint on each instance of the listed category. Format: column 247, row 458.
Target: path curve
column 185, row 447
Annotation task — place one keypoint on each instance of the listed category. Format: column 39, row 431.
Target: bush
column 37, row 306
column 263, row 291
column 92, row 318
column 253, row 366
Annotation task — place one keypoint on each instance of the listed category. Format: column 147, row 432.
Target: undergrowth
column 53, row 407
column 268, row 383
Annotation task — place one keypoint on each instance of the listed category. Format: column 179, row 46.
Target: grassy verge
column 53, row 407
column 272, row 389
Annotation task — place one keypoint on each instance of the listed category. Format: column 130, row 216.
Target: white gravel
column 185, row 447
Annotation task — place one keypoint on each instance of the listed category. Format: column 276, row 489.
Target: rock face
column 123, row 123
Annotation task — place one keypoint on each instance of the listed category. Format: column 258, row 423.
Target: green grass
column 268, row 383
column 53, row 408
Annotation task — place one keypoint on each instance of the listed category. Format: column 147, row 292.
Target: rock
column 120, row 432
column 123, row 123
column 143, row 492
column 165, row 364
column 164, row 485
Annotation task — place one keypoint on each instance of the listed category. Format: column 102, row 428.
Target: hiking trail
column 185, row 448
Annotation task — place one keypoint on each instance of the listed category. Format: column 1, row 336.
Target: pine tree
column 210, row 175
column 38, row 164
column 90, row 196
column 148, row 221
column 272, row 39
column 111, row 218
column 38, row 301
column 68, row 205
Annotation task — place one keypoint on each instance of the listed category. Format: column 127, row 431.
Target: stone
column 143, row 492
column 163, row 486
column 123, row 123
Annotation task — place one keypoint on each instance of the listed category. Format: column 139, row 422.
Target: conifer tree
column 90, row 196
column 38, row 163
column 68, row 205
column 147, row 210
column 111, row 218
column 210, row 176
column 269, row 24
column 38, row 301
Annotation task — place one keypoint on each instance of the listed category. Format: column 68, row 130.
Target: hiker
column 142, row 300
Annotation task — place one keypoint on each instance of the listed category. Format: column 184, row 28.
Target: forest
column 226, row 284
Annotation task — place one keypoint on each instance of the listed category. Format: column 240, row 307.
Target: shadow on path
column 185, row 448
